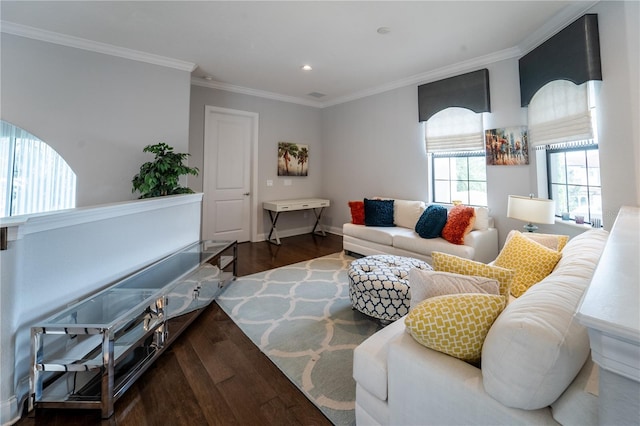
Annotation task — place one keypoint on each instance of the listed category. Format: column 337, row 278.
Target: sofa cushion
column 381, row 235
column 536, row 346
column 455, row 324
column 459, row 223
column 482, row 219
column 378, row 212
column 425, row 284
column 531, row 261
column 431, row 222
column 449, row 263
column 357, row 212
column 410, row 241
column 406, row 212
column 553, row 241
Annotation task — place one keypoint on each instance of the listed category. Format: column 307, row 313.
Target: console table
column 88, row 354
column 277, row 207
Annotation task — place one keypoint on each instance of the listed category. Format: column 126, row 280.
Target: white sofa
column 480, row 244
column 536, row 367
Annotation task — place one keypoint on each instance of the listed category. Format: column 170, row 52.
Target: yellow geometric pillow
column 459, row 265
column 553, row 241
column 531, row 261
column 455, row 324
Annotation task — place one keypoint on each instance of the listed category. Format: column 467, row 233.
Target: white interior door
column 226, row 203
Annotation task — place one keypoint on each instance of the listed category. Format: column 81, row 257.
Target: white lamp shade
column 533, row 210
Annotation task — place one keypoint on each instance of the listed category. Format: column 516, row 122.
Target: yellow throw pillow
column 458, row 265
column 455, row 324
column 531, row 261
column 553, row 241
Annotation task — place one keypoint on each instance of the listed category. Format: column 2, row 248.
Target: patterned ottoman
column 379, row 285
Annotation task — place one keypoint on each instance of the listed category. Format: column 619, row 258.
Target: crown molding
column 433, row 75
column 554, row 25
column 198, row 81
column 93, row 46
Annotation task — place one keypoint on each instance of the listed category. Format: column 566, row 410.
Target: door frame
column 255, row 118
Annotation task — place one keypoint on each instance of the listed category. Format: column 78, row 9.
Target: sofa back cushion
column 407, row 212
column 536, row 347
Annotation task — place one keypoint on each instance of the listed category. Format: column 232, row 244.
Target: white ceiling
column 259, row 47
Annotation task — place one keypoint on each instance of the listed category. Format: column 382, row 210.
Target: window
column 455, row 145
column 574, row 180
column 563, row 130
column 33, row 177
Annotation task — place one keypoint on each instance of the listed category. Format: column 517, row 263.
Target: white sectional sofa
column 481, row 244
column 535, row 369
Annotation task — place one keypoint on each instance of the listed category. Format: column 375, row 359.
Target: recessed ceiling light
column 383, row 30
column 306, row 68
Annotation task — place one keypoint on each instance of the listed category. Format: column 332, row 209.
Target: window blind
column 454, row 130
column 559, row 112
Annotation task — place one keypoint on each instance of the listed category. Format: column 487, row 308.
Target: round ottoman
column 379, row 285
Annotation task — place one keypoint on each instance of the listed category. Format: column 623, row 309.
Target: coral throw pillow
column 455, row 324
column 531, row 260
column 459, row 223
column 357, row 212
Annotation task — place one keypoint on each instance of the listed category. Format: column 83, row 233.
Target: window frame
column 450, row 155
column 550, row 150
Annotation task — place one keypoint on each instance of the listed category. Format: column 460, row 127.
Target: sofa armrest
column 370, row 359
column 485, row 244
column 426, row 384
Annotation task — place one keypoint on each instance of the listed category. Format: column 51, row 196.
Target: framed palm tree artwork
column 293, row 159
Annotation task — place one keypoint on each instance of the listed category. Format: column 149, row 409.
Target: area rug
column 300, row 316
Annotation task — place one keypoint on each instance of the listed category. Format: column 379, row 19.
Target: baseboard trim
column 9, row 413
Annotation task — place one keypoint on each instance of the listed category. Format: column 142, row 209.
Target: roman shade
column 572, row 54
column 470, row 90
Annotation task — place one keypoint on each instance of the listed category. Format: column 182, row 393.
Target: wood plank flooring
column 213, row 374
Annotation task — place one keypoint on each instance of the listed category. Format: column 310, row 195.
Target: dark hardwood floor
column 213, row 374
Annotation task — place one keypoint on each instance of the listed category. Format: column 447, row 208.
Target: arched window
column 33, row 177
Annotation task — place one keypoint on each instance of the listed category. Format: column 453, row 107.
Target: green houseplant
column 161, row 176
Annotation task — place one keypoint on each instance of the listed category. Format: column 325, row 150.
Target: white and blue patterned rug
column 300, row 316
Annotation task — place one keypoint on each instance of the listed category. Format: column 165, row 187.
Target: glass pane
column 593, row 162
column 441, row 168
column 460, row 191
column 557, row 167
column 441, row 191
column 578, row 201
column 477, row 169
column 576, row 168
column 559, row 195
column 460, row 168
column 478, row 193
column 595, row 203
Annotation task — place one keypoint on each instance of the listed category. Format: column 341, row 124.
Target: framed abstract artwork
column 293, row 159
column 508, row 146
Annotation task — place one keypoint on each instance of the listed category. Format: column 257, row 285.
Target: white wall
column 374, row 146
column 278, row 122
column 97, row 111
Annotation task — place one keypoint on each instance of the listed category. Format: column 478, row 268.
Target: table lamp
column 529, row 209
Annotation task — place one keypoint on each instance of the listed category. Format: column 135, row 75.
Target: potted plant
column 161, row 176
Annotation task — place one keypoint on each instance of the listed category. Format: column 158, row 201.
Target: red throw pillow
column 357, row 212
column 459, row 223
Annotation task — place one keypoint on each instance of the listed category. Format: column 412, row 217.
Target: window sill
column 573, row 224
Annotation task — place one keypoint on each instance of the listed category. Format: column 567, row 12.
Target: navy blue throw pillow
column 378, row 212
column 432, row 221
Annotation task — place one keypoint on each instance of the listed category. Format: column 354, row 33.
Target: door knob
column 246, row 194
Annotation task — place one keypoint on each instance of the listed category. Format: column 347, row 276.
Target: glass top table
column 88, row 354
